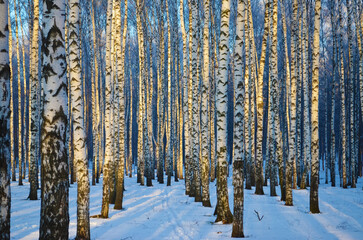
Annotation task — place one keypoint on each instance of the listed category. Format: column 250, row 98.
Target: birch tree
column 314, row 200
column 107, row 117
column 222, row 209
column 34, row 106
column 54, row 218
column 292, row 113
column 79, row 133
column 204, row 112
column 20, row 123
column 238, row 137
column 5, row 150
column 121, row 76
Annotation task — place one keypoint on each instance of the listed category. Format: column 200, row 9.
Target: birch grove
column 262, row 96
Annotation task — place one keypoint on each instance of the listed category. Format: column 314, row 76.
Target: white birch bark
column 54, row 218
column 5, row 147
column 314, row 200
column 222, row 209
column 79, row 132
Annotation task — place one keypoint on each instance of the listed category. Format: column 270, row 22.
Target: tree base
column 198, row 199
column 206, row 203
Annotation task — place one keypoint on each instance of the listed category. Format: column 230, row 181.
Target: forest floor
column 162, row 212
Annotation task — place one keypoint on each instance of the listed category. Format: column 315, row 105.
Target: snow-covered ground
column 162, row 212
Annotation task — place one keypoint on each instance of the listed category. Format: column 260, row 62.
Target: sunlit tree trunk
column 306, row 113
column 79, row 132
column 222, row 209
column 160, row 110
column 5, row 147
column 168, row 157
column 34, row 106
column 140, row 37
column 121, row 76
column 292, row 113
column 252, row 106
column 108, row 123
column 259, row 98
column 195, row 116
column 20, row 123
column 204, row 111
column 343, row 132
column 54, row 217
column 95, row 102
column 238, row 135
column 351, row 76
column 314, row 200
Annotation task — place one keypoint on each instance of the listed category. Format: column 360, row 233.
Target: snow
column 162, row 212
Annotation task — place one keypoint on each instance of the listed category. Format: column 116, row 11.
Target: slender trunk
column 34, row 106
column 306, row 113
column 121, row 76
column 222, row 209
column 79, row 132
column 342, row 99
column 140, row 37
column 314, row 200
column 204, row 112
column 107, row 117
column 259, row 105
column 20, row 123
column 238, row 147
column 292, row 114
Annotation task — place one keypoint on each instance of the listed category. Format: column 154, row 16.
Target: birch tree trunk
column 342, row 99
column 79, row 132
column 351, row 76
column 34, row 106
column 5, row 147
column 54, row 218
column 259, row 157
column 238, row 146
column 107, row 117
column 204, row 112
column 20, row 123
column 274, row 86
column 140, row 37
column 222, row 209
column 185, row 99
column 292, row 115
column 306, row 113
column 334, row 75
column 12, row 140
column 121, row 76
column 160, row 110
column 168, row 158
column 314, row 200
